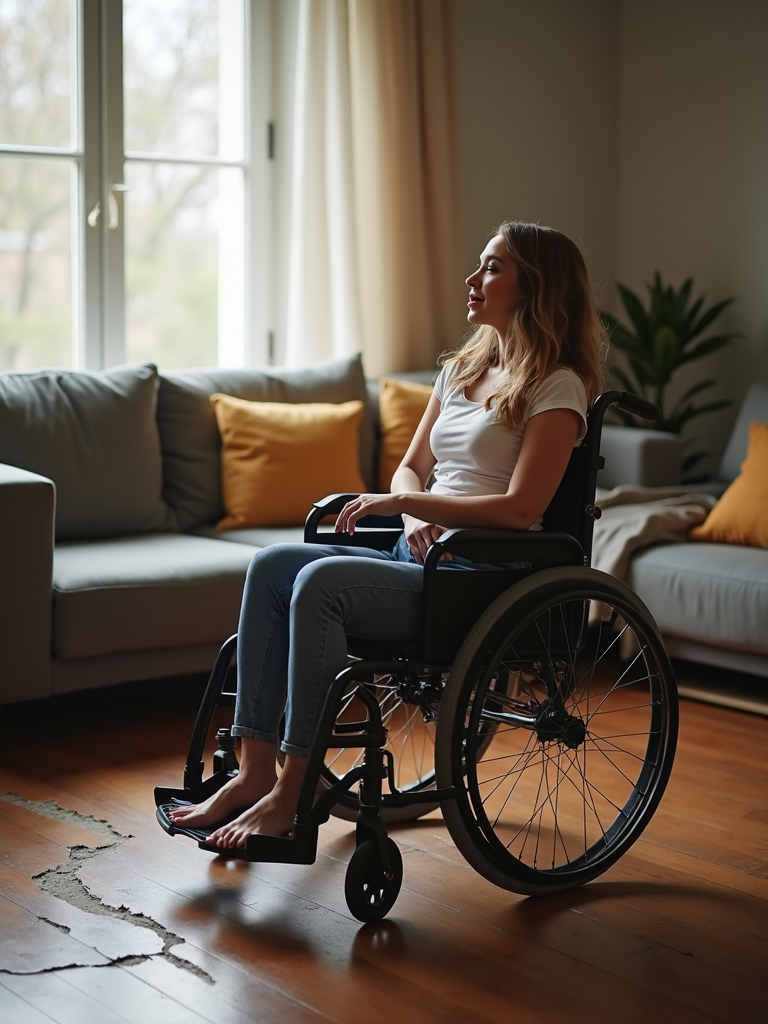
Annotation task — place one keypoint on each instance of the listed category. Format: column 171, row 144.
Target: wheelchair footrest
column 273, row 849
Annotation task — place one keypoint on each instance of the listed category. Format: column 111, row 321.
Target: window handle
column 114, row 213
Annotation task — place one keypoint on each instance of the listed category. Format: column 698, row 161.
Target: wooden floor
column 105, row 919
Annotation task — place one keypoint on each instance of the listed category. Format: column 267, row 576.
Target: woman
column 497, row 434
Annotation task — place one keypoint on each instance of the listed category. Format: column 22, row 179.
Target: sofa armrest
column 645, row 458
column 27, row 503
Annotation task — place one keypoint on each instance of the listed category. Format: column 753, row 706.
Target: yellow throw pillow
column 741, row 514
column 401, row 406
column 277, row 458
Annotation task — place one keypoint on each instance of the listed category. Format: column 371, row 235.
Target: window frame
column 98, row 160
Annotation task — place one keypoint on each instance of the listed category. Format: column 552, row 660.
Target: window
column 133, row 182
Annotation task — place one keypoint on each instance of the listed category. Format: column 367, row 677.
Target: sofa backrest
column 754, row 409
column 190, row 438
column 95, row 435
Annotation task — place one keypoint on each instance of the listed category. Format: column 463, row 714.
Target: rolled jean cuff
column 289, row 748
column 255, row 734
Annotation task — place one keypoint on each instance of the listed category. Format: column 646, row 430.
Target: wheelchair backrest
column 572, row 510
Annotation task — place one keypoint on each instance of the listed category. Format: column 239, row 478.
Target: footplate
column 300, row 847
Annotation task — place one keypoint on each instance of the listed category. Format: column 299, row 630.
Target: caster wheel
column 369, row 892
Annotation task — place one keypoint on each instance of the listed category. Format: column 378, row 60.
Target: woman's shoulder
column 562, row 389
column 562, row 381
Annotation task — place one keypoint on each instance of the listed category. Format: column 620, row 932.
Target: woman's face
column 494, row 291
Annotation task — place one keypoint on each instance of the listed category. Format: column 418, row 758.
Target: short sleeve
column 563, row 389
column 441, row 384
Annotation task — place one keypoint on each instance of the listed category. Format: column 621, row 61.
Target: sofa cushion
column 141, row 593
column 278, row 457
column 712, row 593
column 94, row 435
column 256, row 536
column 741, row 514
column 401, row 407
column 190, row 438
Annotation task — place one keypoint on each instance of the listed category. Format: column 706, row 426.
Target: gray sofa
column 112, row 567
column 709, row 600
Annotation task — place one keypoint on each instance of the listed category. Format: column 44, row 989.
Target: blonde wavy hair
column 555, row 324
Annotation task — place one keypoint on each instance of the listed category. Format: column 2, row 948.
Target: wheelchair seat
column 538, row 710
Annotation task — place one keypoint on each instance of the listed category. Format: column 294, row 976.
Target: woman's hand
column 366, row 505
column 421, row 536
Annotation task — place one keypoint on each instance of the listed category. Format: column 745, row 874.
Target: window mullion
column 87, row 236
column 260, row 253
column 112, row 221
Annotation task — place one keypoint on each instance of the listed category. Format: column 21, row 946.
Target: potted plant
column 662, row 337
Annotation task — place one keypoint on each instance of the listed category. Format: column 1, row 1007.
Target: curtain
column 376, row 227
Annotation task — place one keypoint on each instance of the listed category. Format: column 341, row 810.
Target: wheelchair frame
column 465, row 615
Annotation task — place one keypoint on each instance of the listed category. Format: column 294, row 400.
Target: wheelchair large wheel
column 584, row 737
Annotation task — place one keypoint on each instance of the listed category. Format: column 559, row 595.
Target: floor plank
column 677, row 930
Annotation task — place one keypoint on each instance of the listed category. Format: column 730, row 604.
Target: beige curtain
column 376, row 242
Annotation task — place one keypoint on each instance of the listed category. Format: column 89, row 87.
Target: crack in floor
column 62, row 882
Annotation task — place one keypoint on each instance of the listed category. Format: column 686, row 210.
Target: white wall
column 640, row 128
column 538, row 120
column 693, row 172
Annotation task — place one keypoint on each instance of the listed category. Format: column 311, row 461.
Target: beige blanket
column 636, row 517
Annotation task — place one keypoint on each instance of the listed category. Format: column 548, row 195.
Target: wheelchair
column 538, row 711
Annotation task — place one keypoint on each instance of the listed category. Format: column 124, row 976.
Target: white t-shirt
column 476, row 454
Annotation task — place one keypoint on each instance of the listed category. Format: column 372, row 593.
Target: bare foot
column 244, row 790
column 272, row 815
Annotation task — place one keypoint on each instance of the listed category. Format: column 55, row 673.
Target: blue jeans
column 300, row 602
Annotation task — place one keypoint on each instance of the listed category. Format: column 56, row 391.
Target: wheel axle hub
column 555, row 724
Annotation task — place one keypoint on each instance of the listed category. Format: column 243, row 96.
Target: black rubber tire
column 551, row 804
column 370, row 894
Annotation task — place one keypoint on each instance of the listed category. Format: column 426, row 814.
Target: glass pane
column 172, row 252
column 182, row 65
column 36, row 72
column 35, row 263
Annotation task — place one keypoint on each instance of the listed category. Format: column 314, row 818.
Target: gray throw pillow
column 190, row 437
column 95, row 435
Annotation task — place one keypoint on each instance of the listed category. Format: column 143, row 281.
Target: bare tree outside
column 171, row 79
column 35, row 212
column 172, row 103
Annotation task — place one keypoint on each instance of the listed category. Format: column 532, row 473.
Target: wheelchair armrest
column 332, row 504
column 374, row 531
column 487, row 545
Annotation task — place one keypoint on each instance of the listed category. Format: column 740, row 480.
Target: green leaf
column 701, row 386
column 711, row 314
column 722, row 403
column 683, row 298
column 643, row 372
column 625, row 380
column 691, row 315
column 666, row 351
column 636, row 313
column 704, row 348
column 695, row 390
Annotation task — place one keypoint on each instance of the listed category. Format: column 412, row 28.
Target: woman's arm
column 411, row 476
column 547, row 445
